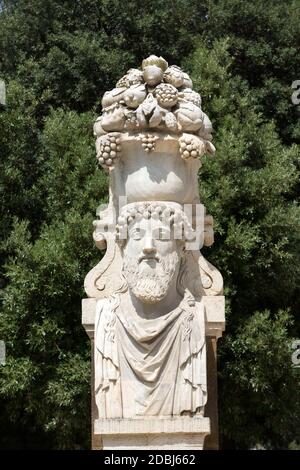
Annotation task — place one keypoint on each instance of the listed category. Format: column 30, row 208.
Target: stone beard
column 150, row 285
column 150, row 352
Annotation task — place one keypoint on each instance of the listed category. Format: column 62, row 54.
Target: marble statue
column 155, row 303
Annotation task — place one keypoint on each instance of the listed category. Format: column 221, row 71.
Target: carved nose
column 149, row 246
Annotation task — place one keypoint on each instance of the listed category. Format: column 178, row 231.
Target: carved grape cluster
column 148, row 142
column 109, row 150
column 166, row 95
column 190, row 147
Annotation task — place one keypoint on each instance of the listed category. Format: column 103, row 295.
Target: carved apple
column 153, row 75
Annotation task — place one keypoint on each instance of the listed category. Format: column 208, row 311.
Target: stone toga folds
column 148, row 367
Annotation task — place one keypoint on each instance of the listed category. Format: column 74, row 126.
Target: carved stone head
column 151, row 235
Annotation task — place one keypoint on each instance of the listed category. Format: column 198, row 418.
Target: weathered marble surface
column 154, row 299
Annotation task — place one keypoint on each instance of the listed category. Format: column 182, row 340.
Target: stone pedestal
column 180, row 433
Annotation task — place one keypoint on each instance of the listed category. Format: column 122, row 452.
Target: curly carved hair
column 169, row 213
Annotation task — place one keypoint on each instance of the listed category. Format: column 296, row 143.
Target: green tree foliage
column 45, row 383
column 58, row 58
column 264, row 44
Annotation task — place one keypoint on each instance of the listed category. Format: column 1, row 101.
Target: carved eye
column 136, row 234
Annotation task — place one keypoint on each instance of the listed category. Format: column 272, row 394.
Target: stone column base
column 151, row 433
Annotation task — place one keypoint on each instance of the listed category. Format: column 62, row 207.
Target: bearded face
column 149, row 279
column 151, row 260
